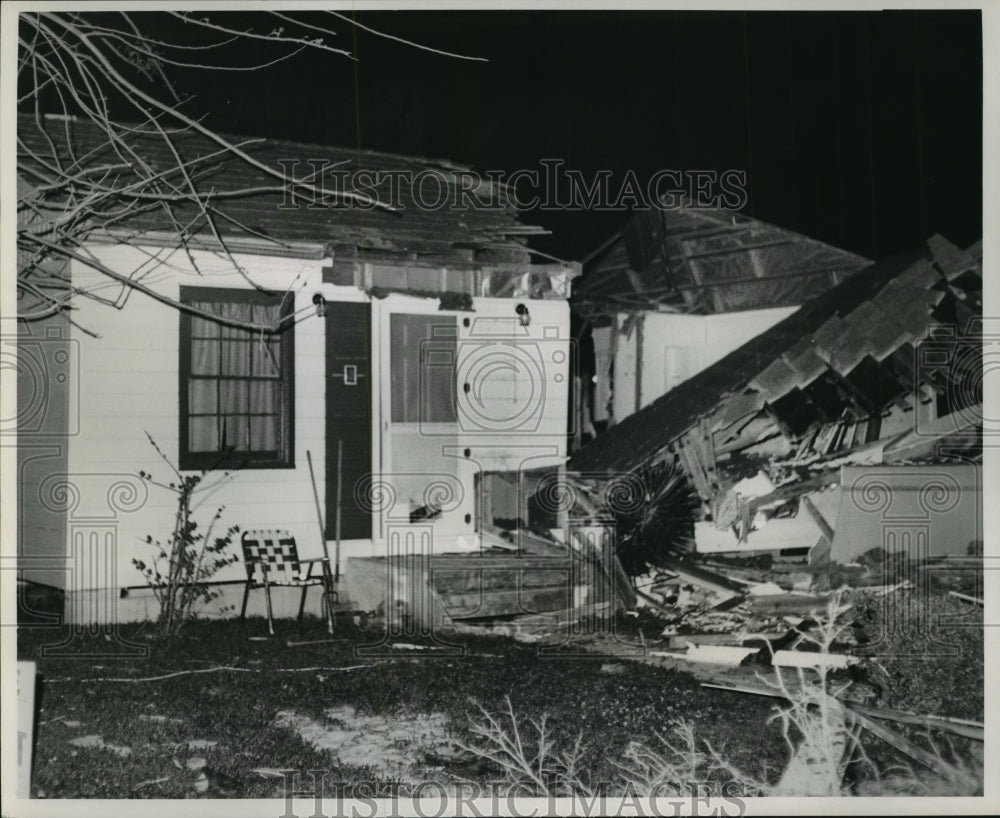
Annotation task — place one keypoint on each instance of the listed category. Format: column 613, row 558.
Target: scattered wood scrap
column 870, row 719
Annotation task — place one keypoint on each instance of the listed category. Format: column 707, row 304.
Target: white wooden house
column 421, row 344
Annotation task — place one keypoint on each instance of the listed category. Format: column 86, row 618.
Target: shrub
column 182, row 567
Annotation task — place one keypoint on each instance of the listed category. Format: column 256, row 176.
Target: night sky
column 862, row 129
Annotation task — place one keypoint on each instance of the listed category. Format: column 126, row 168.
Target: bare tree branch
column 108, row 73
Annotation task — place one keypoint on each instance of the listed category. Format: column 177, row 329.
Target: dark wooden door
column 348, row 415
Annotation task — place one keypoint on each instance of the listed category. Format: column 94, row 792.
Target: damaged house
column 851, row 424
column 408, row 360
column 676, row 290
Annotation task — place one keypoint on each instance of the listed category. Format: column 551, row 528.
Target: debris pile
column 786, row 440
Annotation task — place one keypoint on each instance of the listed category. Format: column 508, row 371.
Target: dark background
column 862, row 129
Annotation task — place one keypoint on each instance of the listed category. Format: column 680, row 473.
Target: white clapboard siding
column 514, row 412
column 129, row 384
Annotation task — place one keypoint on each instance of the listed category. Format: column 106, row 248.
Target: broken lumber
column 654, row 603
column 966, row 598
column 710, row 654
column 865, row 717
column 961, row 727
column 788, row 603
column 677, row 641
column 811, row 659
column 825, row 529
column 901, row 743
column 696, row 575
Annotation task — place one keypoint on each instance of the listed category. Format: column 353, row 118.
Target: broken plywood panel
column 777, row 534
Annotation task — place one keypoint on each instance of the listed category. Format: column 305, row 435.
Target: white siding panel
column 518, row 399
column 129, row 385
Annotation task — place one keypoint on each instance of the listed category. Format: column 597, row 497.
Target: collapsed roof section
column 890, row 357
column 291, row 199
column 705, row 261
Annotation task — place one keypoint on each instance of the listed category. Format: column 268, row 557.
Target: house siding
column 129, row 385
column 128, row 381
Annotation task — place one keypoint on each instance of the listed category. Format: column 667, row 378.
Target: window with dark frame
column 236, row 385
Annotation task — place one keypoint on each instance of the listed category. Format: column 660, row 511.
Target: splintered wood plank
column 824, row 526
column 961, row 727
column 901, row 743
column 693, row 465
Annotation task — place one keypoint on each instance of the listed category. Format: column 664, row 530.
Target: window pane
column 236, row 432
column 202, row 327
column 235, row 358
column 263, row 397
column 238, row 312
column 263, row 433
column 438, row 398
column 204, row 357
column 203, row 397
column 266, row 314
column 234, row 397
column 237, row 392
column 423, row 359
column 203, row 434
column 265, row 355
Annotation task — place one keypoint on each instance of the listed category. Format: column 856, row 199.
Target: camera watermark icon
column 954, row 363
column 510, row 377
column 48, row 401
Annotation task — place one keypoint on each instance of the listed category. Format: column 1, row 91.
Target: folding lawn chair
column 272, row 559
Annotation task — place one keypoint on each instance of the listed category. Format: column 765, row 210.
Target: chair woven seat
column 271, row 559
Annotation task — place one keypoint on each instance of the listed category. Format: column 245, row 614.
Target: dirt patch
column 395, row 748
column 98, row 742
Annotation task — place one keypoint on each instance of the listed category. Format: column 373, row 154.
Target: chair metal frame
column 274, row 554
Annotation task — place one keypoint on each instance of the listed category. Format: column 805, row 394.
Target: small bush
column 182, row 567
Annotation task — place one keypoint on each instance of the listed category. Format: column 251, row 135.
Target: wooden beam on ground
column 967, row 598
column 961, row 727
column 901, row 743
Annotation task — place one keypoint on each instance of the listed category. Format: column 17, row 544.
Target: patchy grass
column 219, row 734
column 928, row 653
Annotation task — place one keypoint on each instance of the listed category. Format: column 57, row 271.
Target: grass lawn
column 106, row 730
